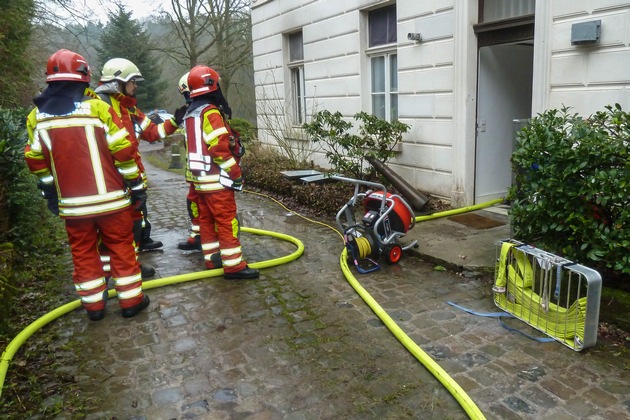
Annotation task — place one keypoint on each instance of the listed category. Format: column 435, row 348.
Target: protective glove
column 178, row 116
column 237, row 184
column 53, row 205
column 49, row 192
column 138, row 193
column 138, row 199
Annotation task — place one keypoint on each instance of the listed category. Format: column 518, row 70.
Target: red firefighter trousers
column 219, row 230
column 115, row 231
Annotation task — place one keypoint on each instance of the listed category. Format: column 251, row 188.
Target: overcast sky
column 98, row 9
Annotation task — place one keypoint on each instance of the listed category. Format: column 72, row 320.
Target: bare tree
column 276, row 125
column 213, row 32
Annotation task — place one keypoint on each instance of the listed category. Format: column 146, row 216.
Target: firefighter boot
column 96, row 315
column 192, row 244
column 148, row 244
column 245, row 273
column 142, row 236
column 147, row 271
column 135, row 309
column 215, row 261
column 99, row 314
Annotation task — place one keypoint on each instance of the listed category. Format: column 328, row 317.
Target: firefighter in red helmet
column 213, row 168
column 86, row 165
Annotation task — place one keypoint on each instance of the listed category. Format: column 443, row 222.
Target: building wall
column 588, row 77
column 336, row 73
column 425, row 94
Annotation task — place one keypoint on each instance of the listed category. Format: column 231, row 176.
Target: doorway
column 504, row 94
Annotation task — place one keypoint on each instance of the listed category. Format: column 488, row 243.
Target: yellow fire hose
column 458, row 393
column 459, row 210
column 453, row 387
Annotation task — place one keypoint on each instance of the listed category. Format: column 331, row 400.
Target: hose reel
column 385, row 218
column 362, row 248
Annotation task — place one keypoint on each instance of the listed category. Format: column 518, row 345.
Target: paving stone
column 615, row 387
column 562, row 391
column 581, row 408
column 599, row 397
column 518, row 405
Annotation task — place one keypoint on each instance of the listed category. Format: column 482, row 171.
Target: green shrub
column 572, row 189
column 36, row 238
column 245, row 128
column 347, row 152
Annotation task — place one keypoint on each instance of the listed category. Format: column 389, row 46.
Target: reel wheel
column 393, row 253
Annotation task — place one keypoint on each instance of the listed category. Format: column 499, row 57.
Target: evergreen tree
column 15, row 67
column 124, row 37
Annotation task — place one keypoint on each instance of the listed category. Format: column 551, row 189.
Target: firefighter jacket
column 88, row 156
column 211, row 165
column 136, row 122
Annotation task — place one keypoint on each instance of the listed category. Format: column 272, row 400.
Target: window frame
column 297, row 84
column 388, row 52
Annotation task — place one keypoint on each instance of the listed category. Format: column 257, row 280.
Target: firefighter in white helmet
column 118, row 84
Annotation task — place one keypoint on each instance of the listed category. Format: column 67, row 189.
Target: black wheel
column 393, row 253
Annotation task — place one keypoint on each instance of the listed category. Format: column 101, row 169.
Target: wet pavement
column 300, row 343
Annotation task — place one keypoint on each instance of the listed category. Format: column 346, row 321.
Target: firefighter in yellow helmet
column 86, row 164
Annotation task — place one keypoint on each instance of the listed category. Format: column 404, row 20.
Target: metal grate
column 552, row 294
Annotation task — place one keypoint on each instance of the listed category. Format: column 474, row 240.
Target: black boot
column 215, row 259
column 146, row 271
column 149, row 244
column 134, row 310
column 192, row 244
column 100, row 314
column 96, row 315
column 245, row 273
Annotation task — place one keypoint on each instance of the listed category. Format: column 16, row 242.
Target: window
column 382, row 26
column 493, row 10
column 385, row 86
column 383, row 62
column 505, row 21
column 296, row 68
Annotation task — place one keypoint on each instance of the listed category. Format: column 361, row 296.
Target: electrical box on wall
column 585, row 32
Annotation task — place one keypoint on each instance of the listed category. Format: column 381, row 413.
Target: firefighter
column 86, row 165
column 193, row 242
column 213, row 168
column 118, row 85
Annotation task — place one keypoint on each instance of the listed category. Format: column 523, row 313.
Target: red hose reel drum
column 400, row 217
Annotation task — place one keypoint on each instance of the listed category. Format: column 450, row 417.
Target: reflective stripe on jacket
column 138, row 124
column 87, row 154
column 208, row 147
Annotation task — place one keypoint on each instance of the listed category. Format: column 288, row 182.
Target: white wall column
column 464, row 103
column 541, row 87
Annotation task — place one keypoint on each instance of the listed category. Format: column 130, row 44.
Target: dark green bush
column 346, row 152
column 572, row 189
